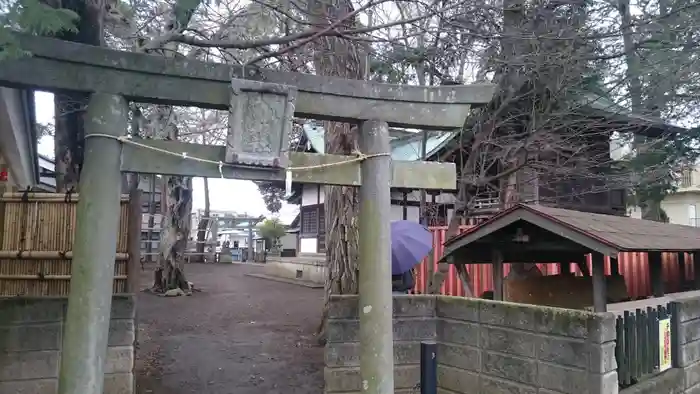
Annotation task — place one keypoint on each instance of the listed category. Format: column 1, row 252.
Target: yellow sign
column 664, row 344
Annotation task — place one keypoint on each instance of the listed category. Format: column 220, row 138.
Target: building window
column 617, row 197
column 692, row 215
column 321, row 242
column 687, row 178
column 309, row 220
column 436, row 214
column 157, row 207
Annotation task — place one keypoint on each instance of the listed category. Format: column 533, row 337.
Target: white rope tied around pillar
column 359, row 157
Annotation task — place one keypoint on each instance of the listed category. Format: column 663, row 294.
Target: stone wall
column 414, row 320
column 298, row 268
column 483, row 347
column 689, row 352
column 497, row 347
column 31, row 332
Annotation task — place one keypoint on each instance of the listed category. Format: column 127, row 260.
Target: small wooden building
column 538, row 234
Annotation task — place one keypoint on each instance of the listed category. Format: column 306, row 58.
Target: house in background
column 47, row 177
column 405, row 145
column 683, row 205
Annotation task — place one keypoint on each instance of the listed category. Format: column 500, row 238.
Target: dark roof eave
column 545, row 222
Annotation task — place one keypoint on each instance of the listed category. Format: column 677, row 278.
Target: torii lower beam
column 404, row 174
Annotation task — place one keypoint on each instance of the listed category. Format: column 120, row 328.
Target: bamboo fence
column 36, row 244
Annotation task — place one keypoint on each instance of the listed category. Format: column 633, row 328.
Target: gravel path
column 240, row 335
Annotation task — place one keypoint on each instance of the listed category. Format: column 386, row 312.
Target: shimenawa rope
column 360, row 157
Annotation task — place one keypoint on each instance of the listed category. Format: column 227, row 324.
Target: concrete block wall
column 497, row 347
column 287, row 267
column 689, row 351
column 31, row 333
column 414, row 321
column 484, row 347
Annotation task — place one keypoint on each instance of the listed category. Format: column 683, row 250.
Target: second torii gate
column 262, row 105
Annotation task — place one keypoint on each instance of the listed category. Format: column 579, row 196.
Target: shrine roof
column 550, row 230
column 405, row 145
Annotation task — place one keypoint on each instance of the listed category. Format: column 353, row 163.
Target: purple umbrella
column 410, row 243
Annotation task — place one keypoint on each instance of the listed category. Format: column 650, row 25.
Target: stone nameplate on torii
column 260, row 122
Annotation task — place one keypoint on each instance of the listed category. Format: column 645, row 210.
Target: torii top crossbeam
column 57, row 64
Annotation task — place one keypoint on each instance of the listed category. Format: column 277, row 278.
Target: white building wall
column 411, row 213
column 308, row 245
column 289, row 241
column 312, row 195
column 415, row 196
column 681, row 208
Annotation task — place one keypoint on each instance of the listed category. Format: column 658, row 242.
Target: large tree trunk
column 203, row 224
column 338, row 57
column 70, row 107
column 175, row 234
column 177, row 220
column 513, row 49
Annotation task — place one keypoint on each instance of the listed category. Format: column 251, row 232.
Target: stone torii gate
column 262, row 104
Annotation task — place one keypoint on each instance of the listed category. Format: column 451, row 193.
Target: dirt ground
column 240, row 335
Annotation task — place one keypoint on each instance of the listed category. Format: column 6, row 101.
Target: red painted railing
column 633, row 266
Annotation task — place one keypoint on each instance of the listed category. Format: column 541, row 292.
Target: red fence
column 633, row 266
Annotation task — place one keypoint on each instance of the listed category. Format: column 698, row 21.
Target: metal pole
column 428, row 367
column 422, row 218
column 94, row 250
column 251, row 252
column 376, row 336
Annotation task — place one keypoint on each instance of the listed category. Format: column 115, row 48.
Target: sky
column 225, row 194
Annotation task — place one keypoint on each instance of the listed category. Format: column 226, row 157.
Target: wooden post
column 583, row 267
column 376, row 335
column 656, row 275
column 497, row 272
column 404, row 208
column 565, row 269
column 463, row 275
column 600, row 291
column 614, row 267
column 134, row 241
column 421, row 211
column 696, row 270
column 97, row 222
column 681, row 269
